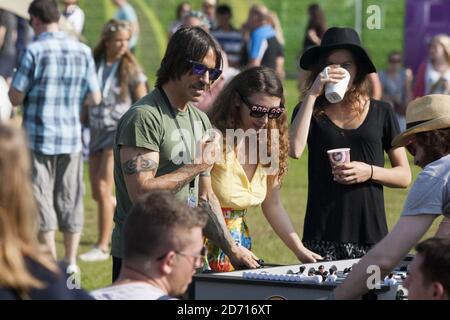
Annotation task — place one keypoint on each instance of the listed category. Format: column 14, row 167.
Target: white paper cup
column 334, row 92
column 338, row 156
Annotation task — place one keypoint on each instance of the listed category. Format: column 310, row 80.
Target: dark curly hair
column 225, row 115
column 436, row 144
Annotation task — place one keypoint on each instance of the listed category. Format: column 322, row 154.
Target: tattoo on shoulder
column 138, row 164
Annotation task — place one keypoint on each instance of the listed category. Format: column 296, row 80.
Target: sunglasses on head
column 260, row 111
column 200, row 69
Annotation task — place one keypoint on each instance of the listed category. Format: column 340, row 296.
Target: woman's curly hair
column 225, row 113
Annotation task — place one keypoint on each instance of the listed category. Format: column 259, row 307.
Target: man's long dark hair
column 191, row 43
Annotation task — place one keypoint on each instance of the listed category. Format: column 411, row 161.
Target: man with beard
column 427, row 138
column 158, row 141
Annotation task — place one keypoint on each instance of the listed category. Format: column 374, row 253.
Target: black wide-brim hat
column 338, row 38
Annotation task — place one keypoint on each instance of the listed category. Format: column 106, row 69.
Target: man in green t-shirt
column 160, row 141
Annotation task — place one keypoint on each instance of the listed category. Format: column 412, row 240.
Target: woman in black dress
column 345, row 213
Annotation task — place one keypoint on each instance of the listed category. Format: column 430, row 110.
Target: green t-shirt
column 149, row 124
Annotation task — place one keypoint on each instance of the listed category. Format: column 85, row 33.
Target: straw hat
column 427, row 113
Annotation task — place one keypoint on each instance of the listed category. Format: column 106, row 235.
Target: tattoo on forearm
column 138, row 164
column 214, row 229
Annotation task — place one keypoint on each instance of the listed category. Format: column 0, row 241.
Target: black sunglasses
column 260, row 111
column 200, row 69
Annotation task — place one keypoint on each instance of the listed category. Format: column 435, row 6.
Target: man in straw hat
column 427, row 138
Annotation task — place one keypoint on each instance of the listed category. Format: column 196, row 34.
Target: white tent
column 18, row 7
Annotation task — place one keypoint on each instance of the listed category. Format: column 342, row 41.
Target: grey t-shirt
column 430, row 193
column 130, row 291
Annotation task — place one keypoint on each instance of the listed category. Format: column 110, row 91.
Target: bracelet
column 371, row 172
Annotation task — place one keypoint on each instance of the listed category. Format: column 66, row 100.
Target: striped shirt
column 55, row 74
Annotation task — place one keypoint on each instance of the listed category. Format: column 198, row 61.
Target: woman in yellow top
column 254, row 162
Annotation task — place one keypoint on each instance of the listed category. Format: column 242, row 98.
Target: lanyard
column 111, row 76
column 174, row 116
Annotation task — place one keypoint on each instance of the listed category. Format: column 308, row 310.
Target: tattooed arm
column 217, row 231
column 139, row 167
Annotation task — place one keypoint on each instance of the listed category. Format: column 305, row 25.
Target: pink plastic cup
column 338, row 156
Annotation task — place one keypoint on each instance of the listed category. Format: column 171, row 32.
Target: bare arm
column 399, row 176
column 139, row 168
column 217, row 231
column 312, row 34
column 377, row 89
column 444, row 228
column 16, row 96
column 408, row 86
column 2, row 35
column 298, row 133
column 93, row 98
column 386, row 255
column 139, row 91
column 281, row 223
column 254, row 63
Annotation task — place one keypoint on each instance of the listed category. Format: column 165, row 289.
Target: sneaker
column 72, row 269
column 95, row 254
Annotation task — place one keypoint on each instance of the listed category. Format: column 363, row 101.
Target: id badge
column 192, row 199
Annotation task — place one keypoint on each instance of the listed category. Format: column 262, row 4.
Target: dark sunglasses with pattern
column 257, row 111
column 200, row 69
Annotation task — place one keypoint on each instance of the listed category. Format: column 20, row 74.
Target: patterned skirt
column 236, row 223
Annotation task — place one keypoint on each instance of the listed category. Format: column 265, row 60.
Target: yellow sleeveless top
column 232, row 187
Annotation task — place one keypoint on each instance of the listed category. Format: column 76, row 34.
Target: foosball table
column 292, row 282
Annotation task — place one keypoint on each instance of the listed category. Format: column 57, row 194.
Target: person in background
column 375, row 87
column 8, row 37
column 122, row 83
column 28, row 268
column 350, row 218
column 229, row 38
column 74, row 15
column 263, row 47
column 433, row 75
column 126, row 12
column 428, row 274
column 427, row 139
column 52, row 99
column 316, row 27
column 252, row 103
column 397, row 86
column 163, row 246
column 183, row 9
column 209, row 9
column 276, row 25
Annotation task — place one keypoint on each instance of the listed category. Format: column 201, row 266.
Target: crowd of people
column 189, row 157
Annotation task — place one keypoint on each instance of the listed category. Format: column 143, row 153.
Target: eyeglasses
column 198, row 258
column 200, row 69
column 260, row 111
column 411, row 147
